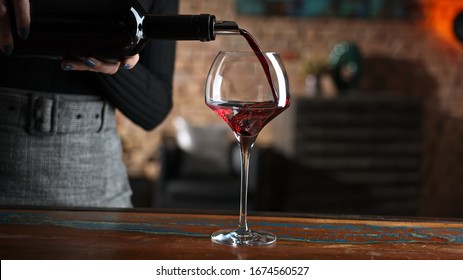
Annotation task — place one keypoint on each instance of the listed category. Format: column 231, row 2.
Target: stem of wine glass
column 245, row 143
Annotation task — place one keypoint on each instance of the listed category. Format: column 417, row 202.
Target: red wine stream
column 263, row 61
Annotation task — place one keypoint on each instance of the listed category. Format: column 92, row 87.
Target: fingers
column 91, row 64
column 95, row 65
column 23, row 17
column 6, row 38
column 23, row 21
column 130, row 62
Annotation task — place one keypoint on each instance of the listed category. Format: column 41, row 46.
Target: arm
column 144, row 93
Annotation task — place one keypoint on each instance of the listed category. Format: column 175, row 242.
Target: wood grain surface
column 90, row 234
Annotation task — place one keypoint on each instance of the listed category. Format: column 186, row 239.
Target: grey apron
column 59, row 150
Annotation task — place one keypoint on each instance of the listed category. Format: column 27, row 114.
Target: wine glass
column 247, row 90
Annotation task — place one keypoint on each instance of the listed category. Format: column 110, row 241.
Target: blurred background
column 375, row 125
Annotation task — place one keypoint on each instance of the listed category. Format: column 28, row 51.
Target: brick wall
column 401, row 57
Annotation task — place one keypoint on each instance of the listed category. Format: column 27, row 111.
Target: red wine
column 105, row 28
column 247, row 119
column 262, row 59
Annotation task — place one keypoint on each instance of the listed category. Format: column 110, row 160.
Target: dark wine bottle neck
column 179, row 27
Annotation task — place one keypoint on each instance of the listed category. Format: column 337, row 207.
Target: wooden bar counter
column 138, row 234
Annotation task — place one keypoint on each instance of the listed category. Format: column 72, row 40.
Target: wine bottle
column 107, row 29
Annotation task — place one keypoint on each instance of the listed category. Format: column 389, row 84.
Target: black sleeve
column 144, row 94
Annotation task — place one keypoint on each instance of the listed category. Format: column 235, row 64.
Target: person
column 58, row 142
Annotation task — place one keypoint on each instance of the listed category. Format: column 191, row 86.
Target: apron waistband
column 42, row 113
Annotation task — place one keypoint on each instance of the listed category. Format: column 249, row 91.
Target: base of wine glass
column 250, row 238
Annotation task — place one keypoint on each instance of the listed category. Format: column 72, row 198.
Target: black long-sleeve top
column 143, row 94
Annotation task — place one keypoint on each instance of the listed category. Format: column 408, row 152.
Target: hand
column 23, row 21
column 95, row 65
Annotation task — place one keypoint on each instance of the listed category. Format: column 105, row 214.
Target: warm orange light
column 439, row 17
